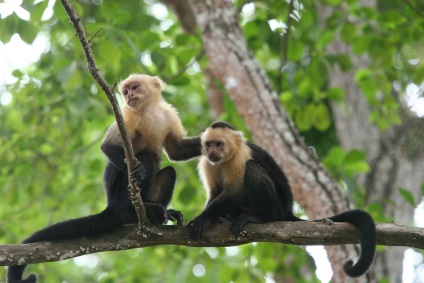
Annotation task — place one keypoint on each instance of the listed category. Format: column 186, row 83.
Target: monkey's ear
column 239, row 137
column 158, row 83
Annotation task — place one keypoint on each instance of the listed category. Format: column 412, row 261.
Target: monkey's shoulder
column 255, row 172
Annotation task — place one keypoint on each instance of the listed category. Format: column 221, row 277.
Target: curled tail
column 365, row 225
column 92, row 225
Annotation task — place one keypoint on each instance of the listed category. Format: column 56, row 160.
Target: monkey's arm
column 179, row 149
column 112, row 147
column 224, row 203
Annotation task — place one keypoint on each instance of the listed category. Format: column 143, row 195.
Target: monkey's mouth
column 214, row 158
column 132, row 100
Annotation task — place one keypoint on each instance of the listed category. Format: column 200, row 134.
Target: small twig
column 284, row 48
column 91, row 38
column 110, row 93
column 183, row 69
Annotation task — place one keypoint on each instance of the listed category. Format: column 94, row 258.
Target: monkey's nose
column 214, row 157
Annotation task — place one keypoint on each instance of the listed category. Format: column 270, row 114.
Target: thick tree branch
column 295, row 233
column 134, row 190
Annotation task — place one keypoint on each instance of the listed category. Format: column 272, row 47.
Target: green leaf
column 355, row 155
column 8, row 28
column 407, row 196
column 334, row 158
column 295, row 50
column 332, row 2
column 182, row 39
column 180, row 81
column 356, row 167
column 363, row 78
column 304, row 117
column 336, row 94
column 286, row 96
column 361, row 44
column 348, row 32
column 324, row 40
column 46, row 149
column 27, row 31
column 321, row 117
column 344, row 61
column 158, row 59
column 38, row 11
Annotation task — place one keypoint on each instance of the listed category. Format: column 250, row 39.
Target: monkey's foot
column 175, row 215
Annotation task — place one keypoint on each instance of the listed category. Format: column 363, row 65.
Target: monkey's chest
column 148, row 133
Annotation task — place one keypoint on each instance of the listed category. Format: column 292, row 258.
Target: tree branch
column 134, row 190
column 295, row 233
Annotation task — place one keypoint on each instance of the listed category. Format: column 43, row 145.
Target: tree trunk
column 233, row 64
column 391, row 166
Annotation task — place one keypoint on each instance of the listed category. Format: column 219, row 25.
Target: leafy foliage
column 51, row 131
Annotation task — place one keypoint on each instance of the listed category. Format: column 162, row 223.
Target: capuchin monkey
column 152, row 124
column 242, row 180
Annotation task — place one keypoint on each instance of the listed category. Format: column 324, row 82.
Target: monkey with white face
column 153, row 125
column 244, row 182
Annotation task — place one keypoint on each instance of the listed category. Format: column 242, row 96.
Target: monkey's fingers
column 238, row 224
column 196, row 227
column 138, row 173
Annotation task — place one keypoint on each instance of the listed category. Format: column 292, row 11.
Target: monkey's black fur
column 265, row 196
column 157, row 188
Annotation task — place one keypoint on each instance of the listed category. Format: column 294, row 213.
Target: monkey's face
column 134, row 94
column 215, row 150
column 140, row 91
column 219, row 145
column 218, row 151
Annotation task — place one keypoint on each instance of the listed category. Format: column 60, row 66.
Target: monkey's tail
column 365, row 225
column 92, row 225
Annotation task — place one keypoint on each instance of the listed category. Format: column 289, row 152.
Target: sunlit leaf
column 407, row 196
column 321, row 117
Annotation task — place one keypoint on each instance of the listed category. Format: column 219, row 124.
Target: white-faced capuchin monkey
column 244, row 181
column 153, row 124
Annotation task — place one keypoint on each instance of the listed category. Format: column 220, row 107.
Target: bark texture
column 296, row 233
column 387, row 152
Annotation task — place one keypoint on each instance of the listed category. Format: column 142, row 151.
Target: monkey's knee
column 169, row 172
column 163, row 187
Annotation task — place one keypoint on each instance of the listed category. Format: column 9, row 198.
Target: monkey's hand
column 196, row 227
column 238, row 224
column 138, row 172
column 175, row 215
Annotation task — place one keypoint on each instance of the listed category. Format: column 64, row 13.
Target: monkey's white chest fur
column 149, row 128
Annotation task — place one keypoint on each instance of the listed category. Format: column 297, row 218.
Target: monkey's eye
column 125, row 92
column 134, row 87
column 208, row 144
column 219, row 144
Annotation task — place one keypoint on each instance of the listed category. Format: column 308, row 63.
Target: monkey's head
column 140, row 91
column 220, row 142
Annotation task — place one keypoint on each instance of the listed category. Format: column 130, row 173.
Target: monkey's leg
column 162, row 190
column 163, row 187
